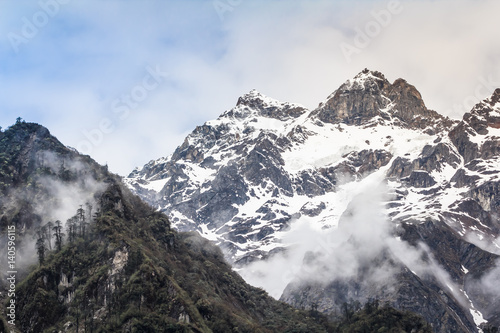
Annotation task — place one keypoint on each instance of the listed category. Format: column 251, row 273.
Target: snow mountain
column 408, row 195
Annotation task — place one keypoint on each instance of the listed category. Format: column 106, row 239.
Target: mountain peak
column 357, row 100
column 372, row 81
column 485, row 114
column 369, row 95
column 257, row 104
column 495, row 97
column 407, row 98
column 254, row 93
column 28, row 128
column 254, row 97
column 366, row 73
column 33, row 136
column 489, row 107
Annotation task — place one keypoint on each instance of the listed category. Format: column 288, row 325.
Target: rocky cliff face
column 370, row 96
column 245, row 179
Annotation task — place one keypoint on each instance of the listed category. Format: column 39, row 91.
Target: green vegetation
column 374, row 318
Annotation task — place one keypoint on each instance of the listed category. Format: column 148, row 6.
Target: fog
column 67, row 196
column 50, row 198
column 364, row 248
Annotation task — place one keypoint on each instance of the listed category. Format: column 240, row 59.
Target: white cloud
column 439, row 46
column 89, row 54
column 364, row 248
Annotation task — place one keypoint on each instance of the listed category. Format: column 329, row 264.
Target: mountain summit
column 265, row 107
column 369, row 96
column 369, row 196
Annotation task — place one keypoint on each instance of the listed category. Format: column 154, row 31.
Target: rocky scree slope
column 244, row 179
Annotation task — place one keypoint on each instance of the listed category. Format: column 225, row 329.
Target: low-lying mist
column 364, row 246
column 59, row 187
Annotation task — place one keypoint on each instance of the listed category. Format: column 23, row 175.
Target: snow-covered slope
column 241, row 178
column 244, row 179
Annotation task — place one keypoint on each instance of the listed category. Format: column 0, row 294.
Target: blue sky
column 126, row 81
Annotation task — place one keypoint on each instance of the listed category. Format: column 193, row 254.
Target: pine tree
column 47, row 228
column 71, row 226
column 63, row 173
column 89, row 207
column 41, row 249
column 89, row 218
column 96, row 215
column 82, row 221
column 58, row 234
